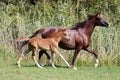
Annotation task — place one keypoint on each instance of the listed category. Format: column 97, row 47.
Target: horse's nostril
column 107, row 24
column 68, row 39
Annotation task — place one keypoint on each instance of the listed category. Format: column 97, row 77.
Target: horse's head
column 65, row 35
column 99, row 21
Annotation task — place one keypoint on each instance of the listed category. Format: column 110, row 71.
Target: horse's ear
column 98, row 14
column 64, row 30
column 89, row 16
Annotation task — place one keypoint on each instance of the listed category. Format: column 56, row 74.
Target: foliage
column 20, row 19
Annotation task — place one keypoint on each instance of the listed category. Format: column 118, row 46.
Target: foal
column 44, row 44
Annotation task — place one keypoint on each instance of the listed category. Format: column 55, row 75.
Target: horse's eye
column 65, row 34
column 99, row 19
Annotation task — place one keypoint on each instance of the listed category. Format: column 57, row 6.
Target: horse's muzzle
column 106, row 24
column 68, row 39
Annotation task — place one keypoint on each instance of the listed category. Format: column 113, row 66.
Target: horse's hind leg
column 34, row 58
column 21, row 56
column 48, row 58
column 40, row 55
column 94, row 53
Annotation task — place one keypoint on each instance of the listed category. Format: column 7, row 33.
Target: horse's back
column 48, row 32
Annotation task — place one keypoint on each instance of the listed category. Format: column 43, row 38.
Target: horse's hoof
column 96, row 65
column 69, row 66
column 18, row 64
column 41, row 64
column 74, row 68
column 40, row 67
column 54, row 66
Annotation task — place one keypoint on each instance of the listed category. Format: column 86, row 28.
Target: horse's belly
column 67, row 46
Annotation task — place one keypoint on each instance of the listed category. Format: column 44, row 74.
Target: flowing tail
column 22, row 39
column 39, row 31
column 19, row 42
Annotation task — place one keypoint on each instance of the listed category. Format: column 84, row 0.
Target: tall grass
column 22, row 19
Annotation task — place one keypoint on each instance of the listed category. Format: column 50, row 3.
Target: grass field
column 29, row 71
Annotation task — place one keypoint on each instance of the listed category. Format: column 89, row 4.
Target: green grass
column 28, row 71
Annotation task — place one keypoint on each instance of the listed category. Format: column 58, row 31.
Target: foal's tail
column 39, row 31
column 22, row 39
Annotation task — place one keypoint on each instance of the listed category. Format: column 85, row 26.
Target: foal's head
column 99, row 21
column 65, row 34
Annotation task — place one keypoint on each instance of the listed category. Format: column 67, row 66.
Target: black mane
column 79, row 25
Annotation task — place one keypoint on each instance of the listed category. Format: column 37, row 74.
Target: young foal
column 44, row 44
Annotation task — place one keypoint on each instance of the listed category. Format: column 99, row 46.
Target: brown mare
column 80, row 36
column 46, row 44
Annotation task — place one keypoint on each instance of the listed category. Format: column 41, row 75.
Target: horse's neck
column 57, row 37
column 89, row 27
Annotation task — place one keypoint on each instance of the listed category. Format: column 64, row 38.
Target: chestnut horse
column 46, row 44
column 80, row 36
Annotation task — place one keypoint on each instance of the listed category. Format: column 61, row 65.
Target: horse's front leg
column 95, row 54
column 34, row 58
column 77, row 50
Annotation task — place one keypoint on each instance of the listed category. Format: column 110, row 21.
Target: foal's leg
column 52, row 59
column 57, row 52
column 94, row 53
column 34, row 58
column 22, row 55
